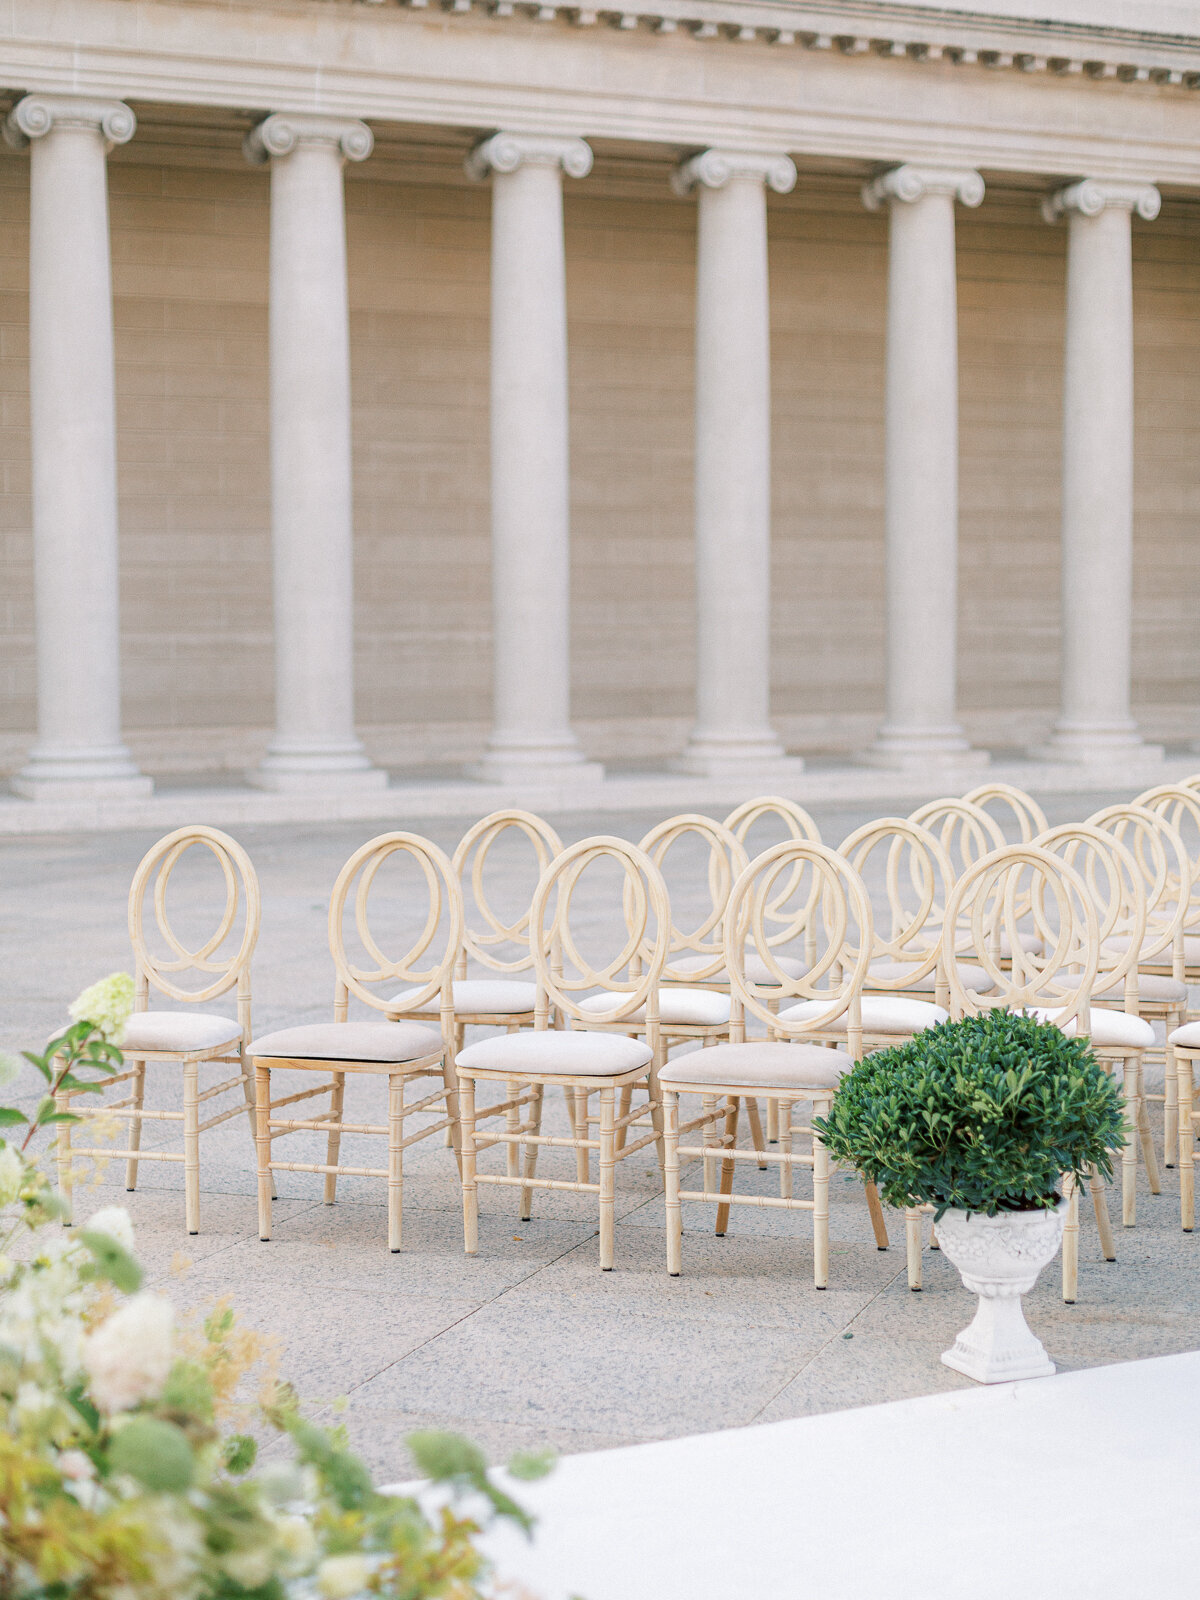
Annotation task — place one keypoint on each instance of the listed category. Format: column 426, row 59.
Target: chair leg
column 333, row 1145
column 191, row 1145
column 624, row 1106
column 656, row 1120
column 730, row 1143
column 1070, row 1244
column 262, row 1139
column 1149, row 1154
column 912, row 1247
column 395, row 1160
column 1103, row 1223
column 674, row 1207
column 756, row 1127
column 875, row 1210
column 708, row 1138
column 1129, row 1153
column 531, row 1152
column 470, row 1189
column 135, row 1126
column 62, row 1154
column 578, row 1098
column 772, row 1121
column 608, row 1098
column 1187, row 1143
column 783, row 1124
column 820, row 1212
column 1170, row 1096
column 512, row 1124
column 248, row 1092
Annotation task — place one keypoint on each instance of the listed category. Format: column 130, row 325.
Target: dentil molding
column 712, row 169
column 282, row 132
column 505, row 152
column 1091, row 196
column 909, row 183
column 36, row 115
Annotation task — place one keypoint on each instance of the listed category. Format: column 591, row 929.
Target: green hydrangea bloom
column 106, row 1005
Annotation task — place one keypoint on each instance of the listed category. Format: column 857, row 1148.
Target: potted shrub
column 982, row 1119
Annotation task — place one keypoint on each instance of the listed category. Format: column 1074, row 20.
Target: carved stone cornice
column 909, row 183
column 505, row 152
column 1091, row 196
column 712, row 169
column 36, row 115
column 284, row 131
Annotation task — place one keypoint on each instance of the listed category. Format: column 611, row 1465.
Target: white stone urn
column 999, row 1259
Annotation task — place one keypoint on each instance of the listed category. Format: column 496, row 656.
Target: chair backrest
column 917, row 879
column 485, row 932
column 992, row 898
column 842, row 927
column 218, row 973
column 1007, row 798
column 1162, row 859
column 726, row 861
column 1180, row 806
column 429, row 962
column 966, row 833
column 635, row 972
column 1117, row 888
column 799, row 825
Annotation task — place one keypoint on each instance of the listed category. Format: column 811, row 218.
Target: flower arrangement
column 121, row 1475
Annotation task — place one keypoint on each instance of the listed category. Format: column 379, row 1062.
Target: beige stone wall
column 189, row 246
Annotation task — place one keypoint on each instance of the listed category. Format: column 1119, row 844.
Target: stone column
column 1095, row 723
column 531, row 736
column 79, row 751
column 314, row 745
column 921, row 725
column 733, row 736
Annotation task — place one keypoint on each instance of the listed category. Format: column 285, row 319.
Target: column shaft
column 733, row 734
column 921, row 472
column 79, row 749
column 314, row 743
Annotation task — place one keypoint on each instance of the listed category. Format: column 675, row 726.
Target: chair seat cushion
column 1151, row 986
column 880, row 1014
column 972, row 978
column 759, row 1065
column 757, row 970
column 696, row 1006
column 1188, row 1035
column 553, row 1051
column 1109, row 1029
column 1191, row 949
column 350, row 1041
column 147, row 1031
column 491, row 997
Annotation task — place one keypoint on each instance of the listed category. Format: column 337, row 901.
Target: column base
column 547, row 761
column 109, row 772
column 321, row 769
column 923, row 749
column 755, row 759
column 1097, row 744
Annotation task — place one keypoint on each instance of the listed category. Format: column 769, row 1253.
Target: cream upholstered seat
column 1190, row 946
column 556, row 1051
column 678, row 1006
column 760, row 1064
column 1188, row 1035
column 348, row 1041
column 1153, row 987
column 880, row 1014
column 969, row 975
column 500, row 997
column 1112, row 1029
column 188, row 1038
column 179, row 1032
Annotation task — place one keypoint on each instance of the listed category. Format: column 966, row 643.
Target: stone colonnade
column 79, row 747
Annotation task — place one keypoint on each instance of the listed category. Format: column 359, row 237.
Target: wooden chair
column 1051, row 976
column 186, row 1038
column 1009, row 800
column 403, row 1052
column 789, row 1065
column 587, row 1057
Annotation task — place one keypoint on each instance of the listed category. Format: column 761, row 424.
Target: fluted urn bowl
column 999, row 1259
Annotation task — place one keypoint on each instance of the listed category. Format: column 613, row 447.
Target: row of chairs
column 1087, row 923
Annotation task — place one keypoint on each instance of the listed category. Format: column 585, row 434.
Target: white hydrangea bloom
column 106, row 1005
column 115, row 1221
column 127, row 1358
column 12, row 1174
column 339, row 1577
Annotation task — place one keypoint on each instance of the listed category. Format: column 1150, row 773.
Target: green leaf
column 241, row 1452
column 446, row 1456
column 154, row 1453
column 112, row 1262
column 10, row 1116
column 530, row 1465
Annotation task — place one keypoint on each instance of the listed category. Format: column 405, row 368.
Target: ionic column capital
column 909, row 183
column 38, row 114
column 285, row 131
column 1091, row 196
column 713, row 169
column 505, row 152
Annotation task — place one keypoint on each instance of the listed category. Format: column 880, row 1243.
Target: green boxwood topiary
column 982, row 1115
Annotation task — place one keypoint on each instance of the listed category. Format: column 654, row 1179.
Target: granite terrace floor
column 527, row 1343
